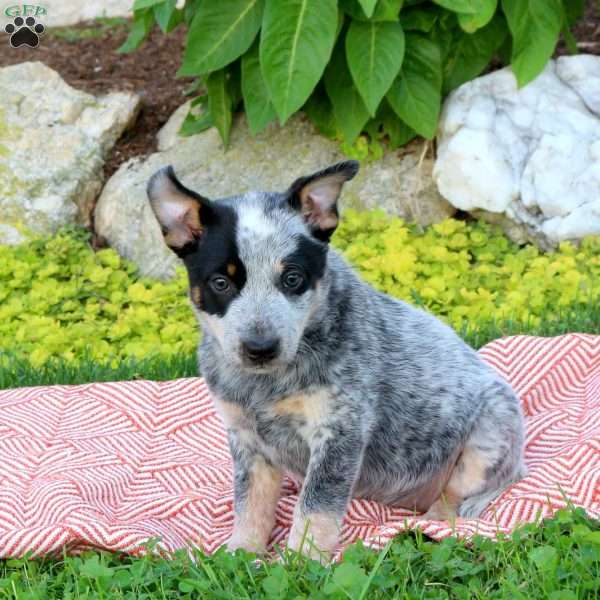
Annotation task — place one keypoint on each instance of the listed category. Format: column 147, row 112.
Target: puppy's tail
column 473, row 506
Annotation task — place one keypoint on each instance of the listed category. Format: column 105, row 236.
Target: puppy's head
column 257, row 262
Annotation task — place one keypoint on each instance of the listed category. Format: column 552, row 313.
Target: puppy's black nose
column 260, row 349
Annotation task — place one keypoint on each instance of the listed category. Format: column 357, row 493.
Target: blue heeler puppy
column 316, row 373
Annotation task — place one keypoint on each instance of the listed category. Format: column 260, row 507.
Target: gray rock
column 528, row 159
column 53, row 140
column 400, row 182
column 10, row 236
column 168, row 136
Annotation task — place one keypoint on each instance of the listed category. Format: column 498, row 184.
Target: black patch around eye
column 310, row 257
column 216, row 254
column 294, row 290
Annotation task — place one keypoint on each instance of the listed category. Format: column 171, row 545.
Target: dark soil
column 93, row 65
column 586, row 31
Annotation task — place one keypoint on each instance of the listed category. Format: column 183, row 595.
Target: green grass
column 557, row 561
column 98, row 28
column 585, row 320
column 16, row 371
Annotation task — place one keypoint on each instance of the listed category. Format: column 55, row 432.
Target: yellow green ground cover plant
column 72, row 313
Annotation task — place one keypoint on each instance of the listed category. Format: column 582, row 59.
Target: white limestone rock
column 530, row 156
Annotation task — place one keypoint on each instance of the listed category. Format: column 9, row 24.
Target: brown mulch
column 94, row 66
column 586, row 31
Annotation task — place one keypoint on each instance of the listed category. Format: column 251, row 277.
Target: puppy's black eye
column 220, row 284
column 292, row 280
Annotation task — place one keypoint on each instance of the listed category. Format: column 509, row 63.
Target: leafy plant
column 470, row 273
column 375, row 66
column 61, row 301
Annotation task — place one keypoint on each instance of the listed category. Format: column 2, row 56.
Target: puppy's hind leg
column 491, row 460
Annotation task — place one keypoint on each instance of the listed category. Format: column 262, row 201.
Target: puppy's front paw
column 441, row 510
column 239, row 541
column 315, row 535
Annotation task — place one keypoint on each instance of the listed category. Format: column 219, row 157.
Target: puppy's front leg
column 257, row 485
column 334, row 465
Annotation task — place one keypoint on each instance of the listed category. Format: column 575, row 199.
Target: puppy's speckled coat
column 316, row 373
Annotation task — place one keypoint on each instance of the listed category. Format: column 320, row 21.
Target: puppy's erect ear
column 316, row 196
column 182, row 213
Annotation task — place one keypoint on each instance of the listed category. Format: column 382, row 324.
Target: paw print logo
column 24, row 31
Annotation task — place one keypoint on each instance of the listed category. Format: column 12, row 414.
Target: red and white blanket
column 111, row 465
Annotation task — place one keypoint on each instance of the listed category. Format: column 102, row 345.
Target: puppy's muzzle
column 260, row 350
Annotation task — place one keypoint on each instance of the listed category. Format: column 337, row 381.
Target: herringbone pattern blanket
column 111, row 465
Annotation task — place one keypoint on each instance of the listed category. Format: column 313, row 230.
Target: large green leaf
column 368, row 6
column 374, row 51
column 143, row 21
column 470, row 53
column 189, row 10
column 259, row 109
column 419, row 19
column 462, row 6
column 141, row 4
column 167, row 16
column 295, row 45
column 570, row 16
column 219, row 103
column 535, row 27
column 416, row 94
column 574, row 10
column 350, row 111
column 471, row 22
column 198, row 118
column 385, row 10
column 234, row 83
column 320, row 111
column 220, row 32
column 398, row 132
